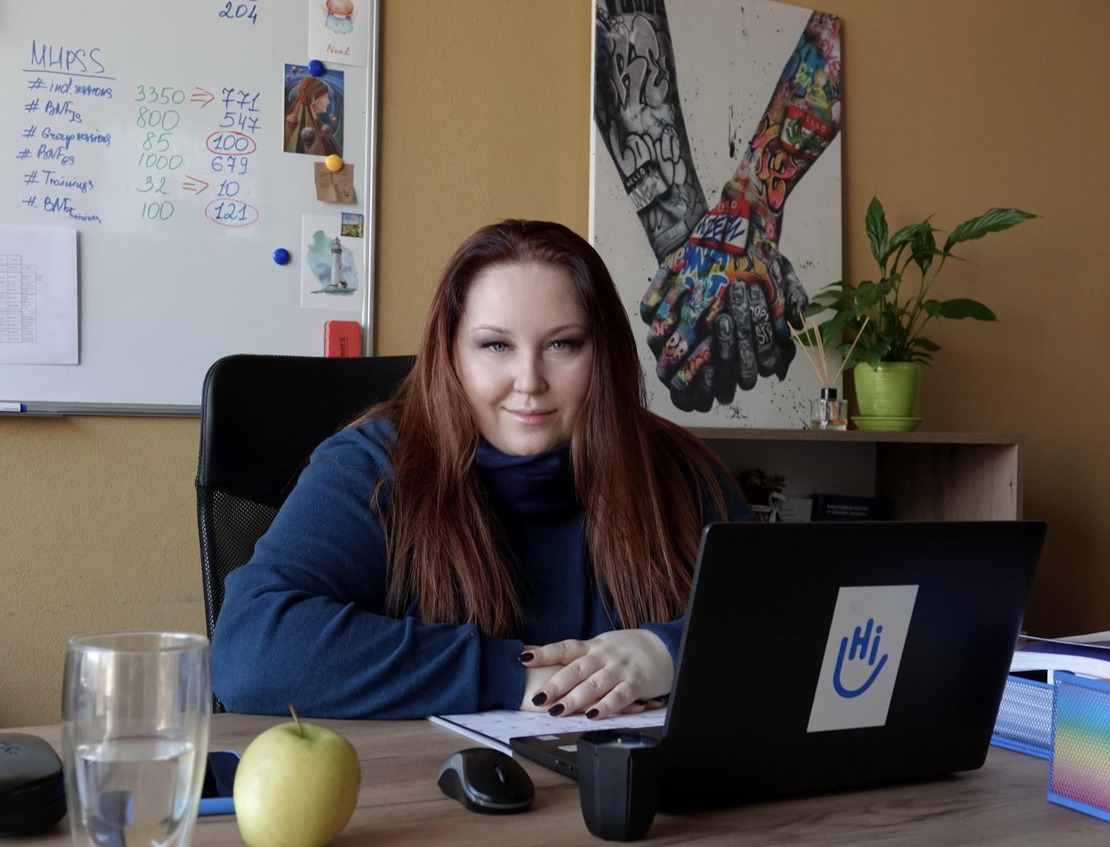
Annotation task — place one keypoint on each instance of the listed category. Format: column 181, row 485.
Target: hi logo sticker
column 862, row 655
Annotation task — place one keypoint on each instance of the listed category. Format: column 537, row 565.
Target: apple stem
column 296, row 721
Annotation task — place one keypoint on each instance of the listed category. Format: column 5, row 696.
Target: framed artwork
column 715, row 196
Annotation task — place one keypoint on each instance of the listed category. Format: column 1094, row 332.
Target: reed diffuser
column 828, row 411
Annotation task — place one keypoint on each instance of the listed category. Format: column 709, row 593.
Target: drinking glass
column 135, row 713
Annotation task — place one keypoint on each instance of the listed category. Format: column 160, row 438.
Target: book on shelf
column 1086, row 655
column 846, row 507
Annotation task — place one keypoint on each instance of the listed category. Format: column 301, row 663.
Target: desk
column 1003, row 803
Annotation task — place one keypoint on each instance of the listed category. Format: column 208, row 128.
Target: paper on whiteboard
column 38, row 295
column 339, row 31
column 333, row 271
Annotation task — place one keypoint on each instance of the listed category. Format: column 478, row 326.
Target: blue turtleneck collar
column 541, row 485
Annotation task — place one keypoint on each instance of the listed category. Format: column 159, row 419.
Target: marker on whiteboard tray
column 317, row 68
column 6, row 406
column 282, row 256
column 341, row 339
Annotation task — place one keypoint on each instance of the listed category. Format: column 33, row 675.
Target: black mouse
column 486, row 780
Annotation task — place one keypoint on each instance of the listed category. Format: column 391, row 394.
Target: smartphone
column 219, row 779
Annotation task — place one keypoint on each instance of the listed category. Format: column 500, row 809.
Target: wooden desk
column 1003, row 803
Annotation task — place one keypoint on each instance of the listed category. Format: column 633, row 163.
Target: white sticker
column 862, row 656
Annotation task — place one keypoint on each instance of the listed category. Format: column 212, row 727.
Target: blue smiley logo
column 867, row 649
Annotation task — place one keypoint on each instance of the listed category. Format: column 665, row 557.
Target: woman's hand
column 620, row 671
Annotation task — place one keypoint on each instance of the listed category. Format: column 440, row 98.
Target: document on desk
column 495, row 727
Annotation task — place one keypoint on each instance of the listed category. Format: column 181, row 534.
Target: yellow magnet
column 333, row 163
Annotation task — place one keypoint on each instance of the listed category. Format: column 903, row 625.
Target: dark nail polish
column 539, row 699
column 526, row 657
column 593, row 713
column 556, row 710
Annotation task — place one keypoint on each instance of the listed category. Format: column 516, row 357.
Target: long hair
column 644, row 482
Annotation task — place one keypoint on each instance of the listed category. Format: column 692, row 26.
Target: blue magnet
column 316, row 68
column 281, row 256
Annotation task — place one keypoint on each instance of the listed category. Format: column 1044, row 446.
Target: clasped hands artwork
column 722, row 300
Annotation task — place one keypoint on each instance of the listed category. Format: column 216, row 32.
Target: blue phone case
column 221, row 772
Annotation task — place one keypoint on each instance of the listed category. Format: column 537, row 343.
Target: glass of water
column 135, row 713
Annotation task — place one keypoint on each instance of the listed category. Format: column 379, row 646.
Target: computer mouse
column 487, row 781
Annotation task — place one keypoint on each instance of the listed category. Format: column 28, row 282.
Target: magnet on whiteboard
column 333, row 163
column 316, row 68
column 281, row 256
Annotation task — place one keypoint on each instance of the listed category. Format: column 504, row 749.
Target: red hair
column 644, row 482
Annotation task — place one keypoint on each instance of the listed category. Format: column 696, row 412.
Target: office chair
column 261, row 418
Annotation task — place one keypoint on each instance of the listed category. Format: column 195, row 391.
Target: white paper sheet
column 38, row 295
column 339, row 31
column 495, row 727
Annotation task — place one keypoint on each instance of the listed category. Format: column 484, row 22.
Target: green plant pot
column 889, row 391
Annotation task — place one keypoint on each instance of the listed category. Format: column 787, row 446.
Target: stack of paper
column 1025, row 716
column 1087, row 655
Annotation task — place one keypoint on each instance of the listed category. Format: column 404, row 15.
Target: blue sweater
column 304, row 622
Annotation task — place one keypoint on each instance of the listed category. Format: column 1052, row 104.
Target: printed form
column 495, row 727
column 38, row 295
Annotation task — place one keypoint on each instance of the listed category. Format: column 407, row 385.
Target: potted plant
column 879, row 324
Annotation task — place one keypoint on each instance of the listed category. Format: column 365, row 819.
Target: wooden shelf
column 942, row 476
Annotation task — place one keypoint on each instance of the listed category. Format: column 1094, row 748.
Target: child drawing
column 340, row 16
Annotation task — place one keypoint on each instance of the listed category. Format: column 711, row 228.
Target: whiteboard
column 156, row 132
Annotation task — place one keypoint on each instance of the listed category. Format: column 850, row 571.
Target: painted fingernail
column 526, row 657
column 539, row 699
column 555, row 710
column 593, row 713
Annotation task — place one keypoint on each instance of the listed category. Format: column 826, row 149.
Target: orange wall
column 950, row 107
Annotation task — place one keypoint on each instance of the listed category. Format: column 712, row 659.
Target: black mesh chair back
column 261, row 418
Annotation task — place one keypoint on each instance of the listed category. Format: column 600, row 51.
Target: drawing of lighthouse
column 331, row 268
column 337, row 264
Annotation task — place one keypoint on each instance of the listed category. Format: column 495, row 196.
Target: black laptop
column 831, row 655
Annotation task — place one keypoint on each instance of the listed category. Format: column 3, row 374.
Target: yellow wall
column 950, row 107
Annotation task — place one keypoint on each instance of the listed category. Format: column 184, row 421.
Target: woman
column 310, row 120
column 513, row 530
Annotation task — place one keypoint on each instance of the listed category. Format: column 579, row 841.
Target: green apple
column 296, row 786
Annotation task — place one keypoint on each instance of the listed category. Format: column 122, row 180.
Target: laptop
column 826, row 656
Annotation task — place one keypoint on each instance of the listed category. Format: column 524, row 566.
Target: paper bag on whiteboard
column 338, row 187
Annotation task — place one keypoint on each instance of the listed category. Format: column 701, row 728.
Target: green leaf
column 962, row 308
column 932, row 308
column 868, row 294
column 905, row 235
column 836, row 326
column 877, row 231
column 924, row 248
column 805, row 339
column 925, row 344
column 993, row 220
column 832, row 299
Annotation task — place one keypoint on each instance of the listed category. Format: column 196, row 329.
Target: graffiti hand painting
column 637, row 112
column 721, row 307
